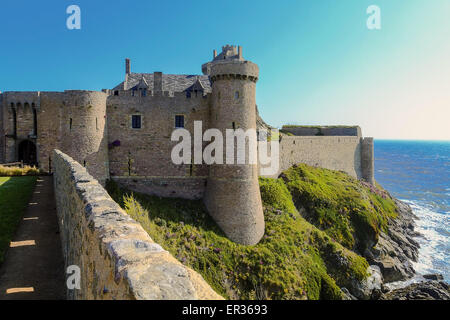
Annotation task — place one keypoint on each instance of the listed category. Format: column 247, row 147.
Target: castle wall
column 332, row 152
column 323, row 130
column 116, row 257
column 143, row 161
column 49, row 135
column 23, row 104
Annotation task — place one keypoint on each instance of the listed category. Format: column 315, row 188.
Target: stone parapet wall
column 335, row 153
column 323, row 130
column 117, row 258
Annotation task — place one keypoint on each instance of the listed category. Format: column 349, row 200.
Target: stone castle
column 124, row 134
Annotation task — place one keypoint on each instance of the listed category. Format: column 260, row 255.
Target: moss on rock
column 348, row 210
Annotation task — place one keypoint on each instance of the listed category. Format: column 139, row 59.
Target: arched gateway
column 27, row 152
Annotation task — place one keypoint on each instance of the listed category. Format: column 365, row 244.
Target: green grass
column 14, row 195
column 294, row 260
column 350, row 211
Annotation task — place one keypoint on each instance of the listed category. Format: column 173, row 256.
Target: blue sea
column 418, row 172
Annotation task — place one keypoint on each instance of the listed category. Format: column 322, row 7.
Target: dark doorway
column 27, row 152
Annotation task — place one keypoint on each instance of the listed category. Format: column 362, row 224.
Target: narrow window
column 234, row 125
column 14, row 122
column 236, row 95
column 96, row 123
column 179, row 121
column 34, row 122
column 136, row 121
column 191, row 169
column 70, row 124
column 133, row 92
column 188, row 94
column 116, row 92
column 84, row 163
column 144, row 92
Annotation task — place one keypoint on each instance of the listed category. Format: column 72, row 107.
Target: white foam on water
column 434, row 243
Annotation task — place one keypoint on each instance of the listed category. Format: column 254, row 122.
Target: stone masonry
column 116, row 257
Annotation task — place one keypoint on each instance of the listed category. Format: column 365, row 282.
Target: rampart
column 351, row 154
column 323, row 130
column 116, row 257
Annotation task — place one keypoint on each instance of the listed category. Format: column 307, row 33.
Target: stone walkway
column 34, row 265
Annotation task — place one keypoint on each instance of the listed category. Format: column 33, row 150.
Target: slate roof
column 171, row 82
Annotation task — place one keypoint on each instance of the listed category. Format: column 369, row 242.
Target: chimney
column 240, row 53
column 157, row 83
column 127, row 66
column 214, row 53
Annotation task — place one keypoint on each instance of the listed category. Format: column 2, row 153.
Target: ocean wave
column 434, row 252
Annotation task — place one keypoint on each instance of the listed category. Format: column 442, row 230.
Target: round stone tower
column 232, row 194
column 84, row 132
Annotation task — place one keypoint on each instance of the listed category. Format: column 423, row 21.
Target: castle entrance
column 27, row 152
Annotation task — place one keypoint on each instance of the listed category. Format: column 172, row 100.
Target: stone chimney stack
column 127, row 66
column 157, row 83
column 214, row 53
column 240, row 53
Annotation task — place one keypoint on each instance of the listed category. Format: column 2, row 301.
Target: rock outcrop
column 429, row 290
column 396, row 249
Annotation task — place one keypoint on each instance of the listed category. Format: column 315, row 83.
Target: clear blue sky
column 319, row 64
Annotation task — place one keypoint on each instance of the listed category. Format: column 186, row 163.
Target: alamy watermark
column 74, row 20
column 74, row 278
column 374, row 20
column 249, row 145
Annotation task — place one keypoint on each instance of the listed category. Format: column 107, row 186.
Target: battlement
column 244, row 70
column 229, row 53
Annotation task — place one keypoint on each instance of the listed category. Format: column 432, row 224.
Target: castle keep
column 124, row 134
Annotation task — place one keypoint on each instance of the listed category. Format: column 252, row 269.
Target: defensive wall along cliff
column 351, row 154
column 340, row 148
column 116, row 257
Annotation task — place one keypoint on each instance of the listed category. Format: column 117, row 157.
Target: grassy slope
column 349, row 211
column 14, row 195
column 294, row 260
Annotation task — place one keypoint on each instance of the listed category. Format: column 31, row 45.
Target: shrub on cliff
column 294, row 260
column 350, row 211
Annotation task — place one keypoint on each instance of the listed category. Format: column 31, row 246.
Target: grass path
column 14, row 195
